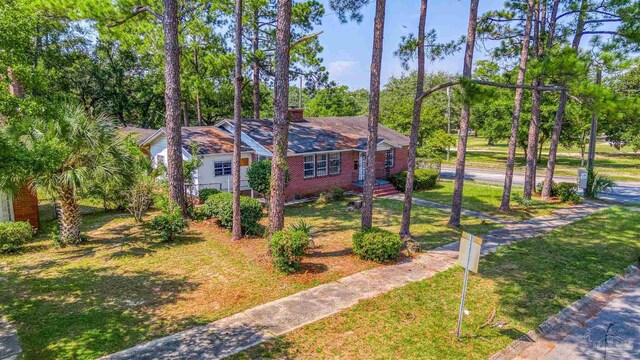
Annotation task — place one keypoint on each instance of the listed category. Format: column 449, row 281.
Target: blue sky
column 347, row 47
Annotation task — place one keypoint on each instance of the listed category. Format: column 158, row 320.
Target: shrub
column 13, row 235
column 139, row 198
column 597, row 184
column 303, row 226
column 259, row 176
column 522, row 201
column 377, row 244
column 554, row 188
column 567, row 191
column 287, row 248
column 323, row 198
column 204, row 194
column 220, row 206
column 170, row 224
column 337, row 194
column 423, row 179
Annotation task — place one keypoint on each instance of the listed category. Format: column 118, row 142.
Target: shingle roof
column 322, row 134
column 141, row 134
column 209, row 140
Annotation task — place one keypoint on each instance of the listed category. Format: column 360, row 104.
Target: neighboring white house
column 214, row 146
column 6, row 207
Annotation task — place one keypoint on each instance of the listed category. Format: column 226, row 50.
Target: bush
column 287, row 248
column 169, row 224
column 259, row 176
column 554, row 188
column 337, row 194
column 220, row 206
column 139, row 198
column 567, row 191
column 204, row 194
column 517, row 197
column 323, row 198
column 423, row 179
column 377, row 244
column 13, row 235
column 597, row 184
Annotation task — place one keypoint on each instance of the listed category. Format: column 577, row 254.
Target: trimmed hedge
column 13, row 235
column 220, row 206
column 288, row 248
column 204, row 194
column 423, row 179
column 377, row 244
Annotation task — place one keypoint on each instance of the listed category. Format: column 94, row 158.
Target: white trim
column 390, row 143
column 254, row 145
column 323, row 152
column 304, row 169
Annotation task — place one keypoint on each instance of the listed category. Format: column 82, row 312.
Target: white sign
column 582, row 179
column 469, row 257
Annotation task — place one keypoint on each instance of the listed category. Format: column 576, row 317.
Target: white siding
column 6, row 207
column 207, row 178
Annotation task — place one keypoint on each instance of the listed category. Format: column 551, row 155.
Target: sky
column 347, row 47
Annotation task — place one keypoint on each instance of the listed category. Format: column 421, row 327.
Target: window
column 222, row 168
column 321, row 164
column 159, row 160
column 388, row 158
column 309, row 166
column 334, row 163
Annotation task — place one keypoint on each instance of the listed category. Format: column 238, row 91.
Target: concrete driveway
column 624, row 192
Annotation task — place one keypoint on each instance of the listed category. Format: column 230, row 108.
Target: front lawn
column 126, row 286
column 525, row 283
column 486, row 198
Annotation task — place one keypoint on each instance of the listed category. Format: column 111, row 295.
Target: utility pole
column 449, row 119
column 591, row 157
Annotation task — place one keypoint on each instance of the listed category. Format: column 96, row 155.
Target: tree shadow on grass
column 540, row 276
column 86, row 312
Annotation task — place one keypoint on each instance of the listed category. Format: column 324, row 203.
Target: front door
column 363, row 161
column 6, row 208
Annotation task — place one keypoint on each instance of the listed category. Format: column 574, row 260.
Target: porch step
column 384, row 190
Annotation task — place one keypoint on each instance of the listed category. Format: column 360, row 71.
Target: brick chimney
column 296, row 115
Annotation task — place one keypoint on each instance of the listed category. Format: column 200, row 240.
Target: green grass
column 526, row 283
column 622, row 165
column 126, row 286
column 486, row 198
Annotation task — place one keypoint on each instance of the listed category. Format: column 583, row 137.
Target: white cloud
column 340, row 67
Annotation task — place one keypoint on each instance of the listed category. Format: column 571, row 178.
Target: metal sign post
column 469, row 257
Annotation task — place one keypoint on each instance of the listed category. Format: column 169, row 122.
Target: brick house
column 324, row 152
column 327, row 152
column 22, row 207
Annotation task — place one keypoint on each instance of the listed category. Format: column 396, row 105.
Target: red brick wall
column 301, row 186
column 348, row 173
column 25, row 207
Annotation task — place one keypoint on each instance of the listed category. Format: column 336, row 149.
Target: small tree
column 259, row 177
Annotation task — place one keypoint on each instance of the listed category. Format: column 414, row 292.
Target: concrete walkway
column 241, row 331
column 9, row 345
column 603, row 324
column 439, row 206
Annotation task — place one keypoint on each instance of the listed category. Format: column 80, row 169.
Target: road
column 624, row 192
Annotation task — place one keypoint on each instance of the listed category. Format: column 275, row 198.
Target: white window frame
column 326, row 164
column 388, row 160
column 312, row 168
column 339, row 164
column 224, row 168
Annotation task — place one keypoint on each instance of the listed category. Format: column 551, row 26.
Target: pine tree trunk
column 196, row 64
column 536, row 98
column 280, row 121
column 593, row 133
column 405, row 231
column 374, row 114
column 172, row 102
column 69, row 217
column 237, row 112
column 553, row 147
column 557, row 126
column 517, row 108
column 256, row 65
column 456, row 206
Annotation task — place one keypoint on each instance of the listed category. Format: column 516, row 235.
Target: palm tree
column 69, row 156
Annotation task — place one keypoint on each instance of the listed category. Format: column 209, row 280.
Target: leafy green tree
column 66, row 157
column 333, row 101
